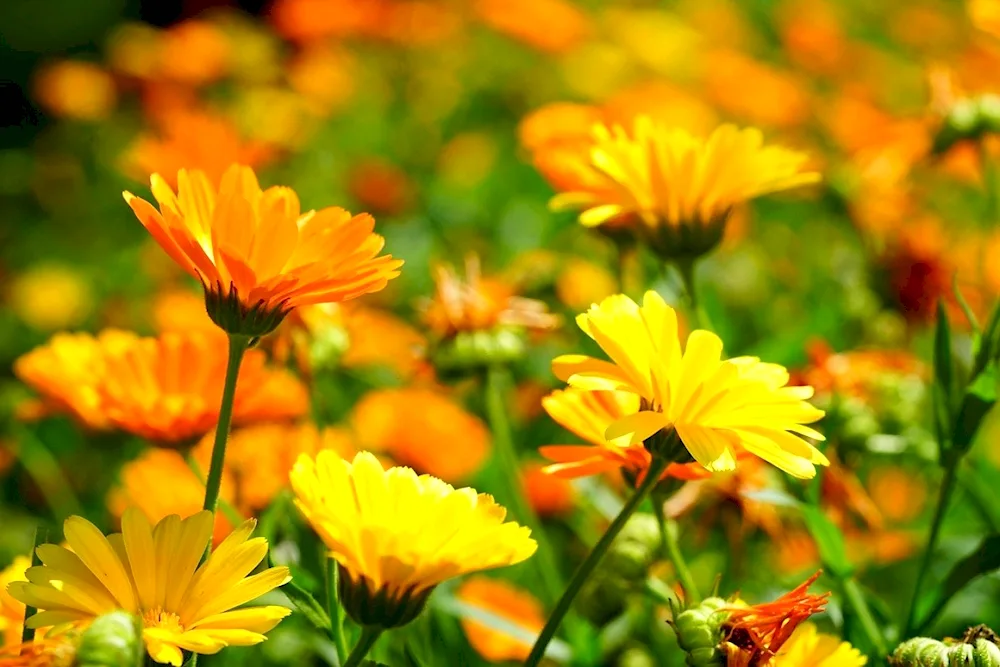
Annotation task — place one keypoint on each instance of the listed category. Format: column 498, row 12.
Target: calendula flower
column 57, row 651
column 154, row 573
column 514, row 605
column 552, row 26
column 11, row 610
column 423, row 429
column 717, row 408
column 808, row 646
column 679, row 189
column 588, row 414
column 256, row 254
column 548, row 495
column 756, row 634
column 397, row 535
column 75, row 89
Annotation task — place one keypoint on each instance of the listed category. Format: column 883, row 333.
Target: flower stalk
column 237, row 348
column 369, row 635
column 334, row 609
column 672, row 550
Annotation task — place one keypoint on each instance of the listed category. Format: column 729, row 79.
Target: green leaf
column 944, row 376
column 985, row 559
column 978, row 400
column 986, row 347
column 305, row 603
column 829, row 541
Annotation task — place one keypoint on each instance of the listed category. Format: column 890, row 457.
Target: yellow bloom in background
column 49, row 297
column 581, row 283
column 678, row 188
column 505, row 600
column 75, row 89
column 154, row 572
column 181, row 310
column 807, row 646
column 718, row 408
column 11, row 610
column 50, row 652
column 397, row 535
column 256, row 254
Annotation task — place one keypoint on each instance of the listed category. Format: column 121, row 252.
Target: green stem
column 656, row 468
column 231, row 513
column 686, row 267
column 981, row 497
column 45, row 471
column 334, row 610
column 947, row 488
column 497, row 381
column 369, row 635
column 237, row 347
column 41, row 537
column 669, row 532
column 856, row 599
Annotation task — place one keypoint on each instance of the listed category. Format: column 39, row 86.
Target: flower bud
column 473, row 350
column 112, row 640
column 979, row 647
column 699, row 632
column 383, row 607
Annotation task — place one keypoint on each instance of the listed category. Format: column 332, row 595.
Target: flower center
column 157, row 617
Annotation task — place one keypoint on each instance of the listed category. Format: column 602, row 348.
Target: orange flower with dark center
column 588, row 415
column 759, row 632
column 256, row 254
column 514, row 605
column 480, row 304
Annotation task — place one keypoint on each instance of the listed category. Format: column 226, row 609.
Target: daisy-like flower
column 677, row 188
column 717, row 408
column 588, row 414
column 154, row 573
column 397, row 535
column 256, row 253
column 808, row 646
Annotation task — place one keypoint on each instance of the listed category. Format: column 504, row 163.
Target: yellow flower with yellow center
column 676, row 187
column 808, row 646
column 154, row 573
column 397, row 535
column 717, row 407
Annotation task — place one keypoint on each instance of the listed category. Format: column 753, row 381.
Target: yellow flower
column 75, row 89
column 11, row 610
column 717, row 408
column 397, row 535
column 153, row 572
column 51, row 297
column 256, row 254
column 49, row 652
column 807, row 646
column 678, row 188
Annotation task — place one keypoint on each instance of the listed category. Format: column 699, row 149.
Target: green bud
column 699, row 632
column 473, row 350
column 979, row 647
column 112, row 640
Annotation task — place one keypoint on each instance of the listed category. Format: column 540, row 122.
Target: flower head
column 677, row 188
column 11, row 610
column 717, row 408
column 257, row 255
column 516, row 606
column 154, row 572
column 808, row 646
column 588, row 414
column 397, row 535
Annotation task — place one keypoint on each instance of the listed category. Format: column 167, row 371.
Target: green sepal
column 112, row 640
column 235, row 317
column 381, row 607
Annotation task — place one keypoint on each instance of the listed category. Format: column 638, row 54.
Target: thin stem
column 582, row 573
column 45, row 471
column 237, row 347
column 231, row 513
column 369, row 635
column 334, row 610
column 672, row 550
column 947, row 488
column 686, row 267
column 41, row 537
column 856, row 599
column 497, row 381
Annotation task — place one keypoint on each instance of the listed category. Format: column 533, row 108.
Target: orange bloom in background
column 160, row 483
column 75, row 89
column 304, row 20
column 193, row 139
column 855, row 372
column 254, row 250
column 193, row 52
column 581, row 283
column 324, row 75
column 759, row 631
column 259, row 458
column 985, row 15
column 665, row 103
column 899, row 494
column 182, row 310
column 588, row 415
column 381, row 186
column 559, row 124
column 813, row 37
column 379, row 338
column 422, row 429
column 49, row 652
column 510, row 603
column 552, row 26
column 67, row 370
column 480, row 304
column 755, row 92
column 11, row 610
column 845, row 499
column 168, row 389
column 548, row 495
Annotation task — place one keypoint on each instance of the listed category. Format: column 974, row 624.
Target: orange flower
column 193, row 139
column 581, row 283
column 256, row 254
column 813, row 37
column 381, row 186
column 324, row 75
column 899, row 494
column 168, row 389
column 514, row 605
column 49, row 652
column 549, row 495
column 755, row 92
column 11, row 610
column 422, row 429
column 308, row 19
column 588, row 414
column 854, row 373
column 75, row 89
column 160, row 483
column 844, row 498
column 193, row 52
column 379, row 338
column 758, row 632
column 479, row 304
column 182, row 310
column 67, row 371
column 553, row 26
column 259, row 458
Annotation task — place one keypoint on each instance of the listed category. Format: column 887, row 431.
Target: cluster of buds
column 968, row 119
column 978, row 647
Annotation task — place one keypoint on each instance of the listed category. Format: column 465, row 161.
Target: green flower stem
column 46, row 473
column 237, row 348
column 656, row 469
column 497, row 381
column 231, row 513
column 856, row 599
column 369, row 635
column 334, row 610
column 672, row 550
column 41, row 537
column 686, row 267
column 947, row 488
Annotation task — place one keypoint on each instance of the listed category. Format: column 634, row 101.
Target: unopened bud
column 112, row 640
